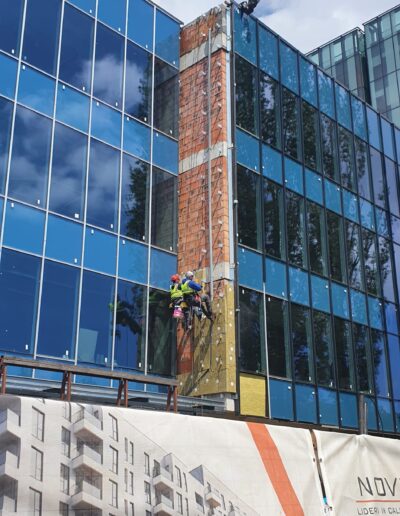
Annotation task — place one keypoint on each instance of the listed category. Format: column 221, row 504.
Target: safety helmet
column 189, row 274
column 175, row 278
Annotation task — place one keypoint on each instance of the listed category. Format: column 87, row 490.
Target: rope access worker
column 192, row 295
column 176, row 293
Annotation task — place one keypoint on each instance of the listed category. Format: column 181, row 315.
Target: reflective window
column 379, row 363
column 336, row 241
column 320, row 294
column 392, row 324
column 325, row 86
column 249, row 221
column 392, row 186
column 396, row 249
column 387, row 268
column 6, row 112
column 373, row 128
column 67, row 188
column 276, row 280
column 138, row 83
column 308, row 82
column 291, row 124
column 245, row 36
column 113, row 14
column 76, row 49
column 359, row 121
column 106, row 124
column 130, row 331
column 19, row 287
column 64, row 240
column 246, row 95
column 270, row 111
column 137, row 139
column 41, row 35
column 72, row 108
column 385, row 415
column 358, row 307
column 395, row 225
column 289, row 67
column 135, row 198
column 375, row 313
column 250, row 269
column 281, row 394
column 102, row 200
column 252, row 348
column 167, row 38
column 247, row 150
column 86, row 5
column 350, row 206
column 354, row 254
column 272, row 163
column 294, row 176
column 164, row 210
column 24, row 228
column 268, row 52
column 161, row 351
column 332, row 197
column 108, row 68
column 100, row 251
column 363, row 358
column 317, row 239
column 344, row 354
column 394, row 355
column 348, row 410
column 133, row 261
column 314, row 186
column 10, row 26
column 298, row 281
column 346, row 159
column 36, row 91
column 367, row 214
column 387, row 138
column 302, row 343
column 325, row 360
column 96, row 319
column 340, row 302
column 58, row 312
column 278, row 337
column 296, row 238
column 377, row 178
column 312, row 152
column 342, row 106
column 165, row 152
column 370, row 262
column 8, row 76
column 306, row 409
column 329, row 148
column 162, row 266
column 30, row 157
column 166, row 98
column 140, row 23
column 328, row 407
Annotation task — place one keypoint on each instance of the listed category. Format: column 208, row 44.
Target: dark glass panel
column 274, row 222
column 324, row 349
column 166, row 98
column 312, row 153
column 329, row 152
column 130, row 332
column 392, row 186
column 68, row 175
column 135, row 198
column 336, row 240
column 346, row 159
column 164, row 210
column 96, row 321
column 380, row 363
column 377, row 177
column 30, row 157
column 248, row 186
column 162, row 345
column 246, row 95
column 362, row 168
column 102, row 200
column 363, row 358
column 370, row 262
column 317, row 238
column 6, row 111
column 108, row 68
column 394, row 355
column 41, row 35
column 344, row 354
column 252, row 346
column 387, row 268
column 19, row 290
column 291, row 124
column 77, row 48
column 270, row 111
column 138, row 82
column 10, row 25
column 354, row 255
column 278, row 337
column 302, row 343
column 58, row 311
column 297, row 247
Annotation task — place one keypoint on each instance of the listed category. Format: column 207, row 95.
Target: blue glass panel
column 165, row 153
column 340, row 301
column 137, row 139
column 96, row 320
column 289, row 67
column 343, row 106
column 106, row 124
column 294, row 176
column 306, row 409
column 394, row 356
column 86, row 5
column 36, row 91
column 100, row 251
column 138, row 82
column 397, row 415
column 397, row 141
column 133, row 261
column 332, row 197
column 162, row 266
column 387, row 137
column 245, row 36
column 328, row 407
column 380, row 363
column 395, row 225
column 8, row 76
column 24, row 228
column 375, row 313
column 42, row 34
column 6, row 115
column 250, row 269
column 64, row 240
column 382, row 222
column 10, row 25
column 367, row 214
column 140, row 23
column 298, row 281
column 320, row 294
column 167, row 38
column 350, row 207
column 385, row 415
column 272, row 163
column 19, row 290
column 358, row 307
column 373, row 128
column 58, row 312
column 392, row 324
column 268, row 52
column 314, row 186
column 326, row 94
column 276, row 282
column 308, row 82
column 348, row 410
column 359, row 121
column 1, row 209
column 72, row 108
column 113, row 14
column 247, row 150
column 91, row 380
column 281, row 395
column 372, row 421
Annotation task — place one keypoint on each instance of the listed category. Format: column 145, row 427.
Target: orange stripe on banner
column 275, row 469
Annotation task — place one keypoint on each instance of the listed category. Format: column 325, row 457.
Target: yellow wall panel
column 252, row 395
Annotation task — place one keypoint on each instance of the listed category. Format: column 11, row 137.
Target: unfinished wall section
column 206, row 357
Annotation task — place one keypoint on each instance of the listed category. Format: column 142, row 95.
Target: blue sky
column 304, row 23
